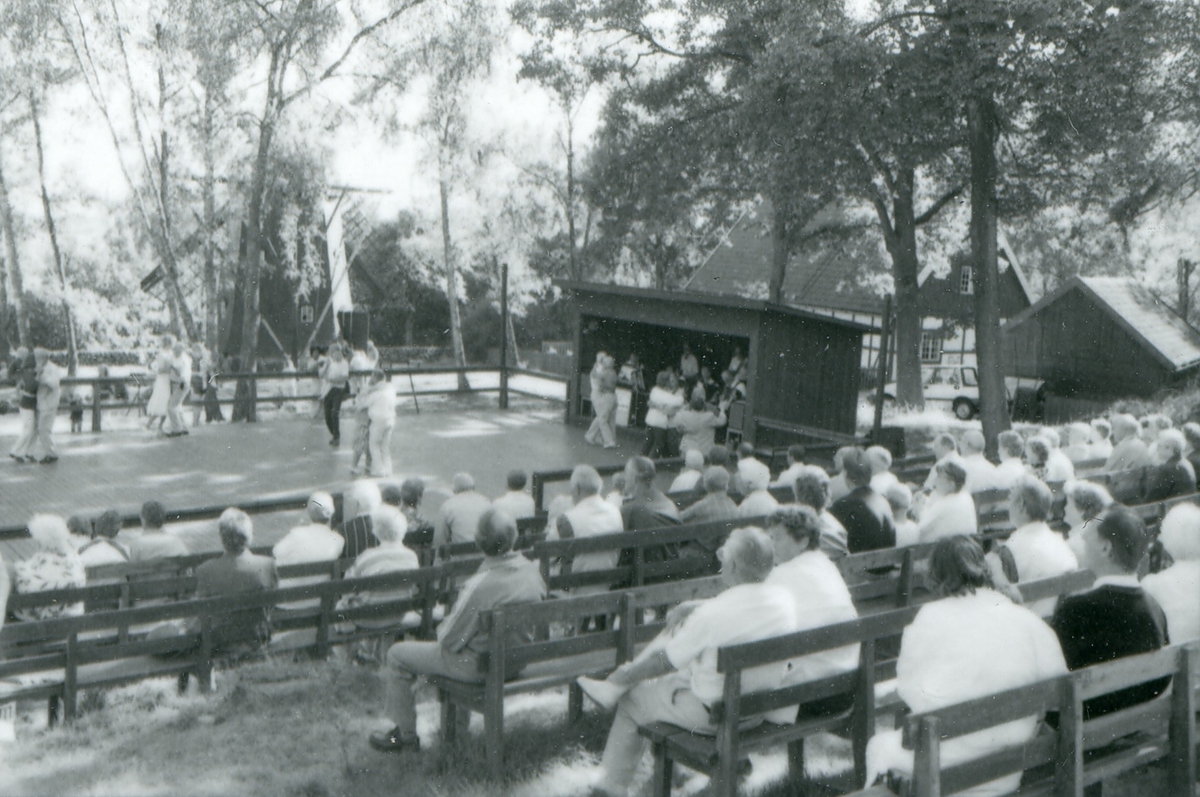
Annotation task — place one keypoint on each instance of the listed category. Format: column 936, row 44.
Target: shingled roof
column 841, row 266
column 1138, row 310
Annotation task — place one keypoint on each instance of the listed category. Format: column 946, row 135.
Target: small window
column 306, row 314
column 966, row 281
column 970, row 378
column 931, row 347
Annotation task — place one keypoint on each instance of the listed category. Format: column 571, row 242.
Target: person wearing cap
column 155, row 542
column 459, row 515
column 314, row 541
column 756, row 479
column 504, row 578
column 675, row 679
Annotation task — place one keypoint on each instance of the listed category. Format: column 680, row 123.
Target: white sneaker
column 604, row 694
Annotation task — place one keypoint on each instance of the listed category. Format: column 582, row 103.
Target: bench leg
column 796, row 760
column 574, row 703
column 664, row 770
column 493, row 734
column 449, row 719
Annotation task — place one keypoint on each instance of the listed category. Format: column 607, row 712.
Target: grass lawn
column 281, row 729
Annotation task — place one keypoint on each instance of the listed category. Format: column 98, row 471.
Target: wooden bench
column 719, row 755
column 549, row 661
column 58, row 655
column 1079, row 753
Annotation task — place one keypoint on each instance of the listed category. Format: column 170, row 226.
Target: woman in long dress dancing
column 160, row 396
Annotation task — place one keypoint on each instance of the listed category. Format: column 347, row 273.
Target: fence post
column 538, row 487
column 96, row 406
column 504, row 336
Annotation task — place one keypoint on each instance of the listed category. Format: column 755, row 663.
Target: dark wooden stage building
column 803, row 367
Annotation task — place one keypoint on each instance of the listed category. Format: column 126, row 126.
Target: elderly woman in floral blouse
column 55, row 565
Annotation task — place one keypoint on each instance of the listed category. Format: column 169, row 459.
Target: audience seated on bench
column 504, row 577
column 516, row 503
column 103, row 548
column 389, row 555
column 864, row 513
column 54, row 565
column 675, row 679
column 1171, row 475
column 811, row 488
column 1084, row 502
column 756, row 479
column 155, row 542
column 971, row 642
column 362, row 498
column 688, row 479
column 237, row 571
column 1116, row 618
column 315, row 541
column 1177, row 588
column 949, row 510
column 459, row 515
column 590, row 516
column 716, row 503
column 1033, row 551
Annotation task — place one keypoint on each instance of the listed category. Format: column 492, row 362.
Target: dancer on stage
column 160, row 396
column 181, row 386
column 23, row 371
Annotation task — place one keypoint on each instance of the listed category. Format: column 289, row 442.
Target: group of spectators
column 976, row 637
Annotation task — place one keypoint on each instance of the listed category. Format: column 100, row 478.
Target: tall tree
column 444, row 56
column 293, row 36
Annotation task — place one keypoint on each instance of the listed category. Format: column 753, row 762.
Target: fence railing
column 142, row 383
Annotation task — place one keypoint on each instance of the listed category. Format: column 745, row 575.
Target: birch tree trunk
column 456, row 338
column 14, row 263
column 72, row 343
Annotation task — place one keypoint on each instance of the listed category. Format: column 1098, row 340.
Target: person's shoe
column 30, row 459
column 392, row 742
column 49, row 460
column 17, row 457
column 614, row 445
column 604, row 694
column 335, row 441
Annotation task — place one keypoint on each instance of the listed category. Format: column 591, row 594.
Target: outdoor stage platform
column 226, row 463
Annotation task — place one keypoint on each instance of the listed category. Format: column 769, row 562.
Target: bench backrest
column 1169, row 716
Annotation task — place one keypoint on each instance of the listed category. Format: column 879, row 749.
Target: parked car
column 956, row 387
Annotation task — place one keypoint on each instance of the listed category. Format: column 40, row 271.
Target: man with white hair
column 1172, row 475
column 362, row 498
column 237, row 571
column 716, row 503
column 1034, row 551
column 48, row 394
column 314, row 541
column 756, row 479
column 591, row 515
column 689, row 476
column 1079, row 443
column 1177, row 589
column 881, row 469
column 981, row 474
column 1012, row 465
column 459, row 515
column 675, row 678
column 1129, row 451
column 389, row 555
column 505, row 577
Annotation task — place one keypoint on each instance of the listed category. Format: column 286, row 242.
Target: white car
column 956, row 387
